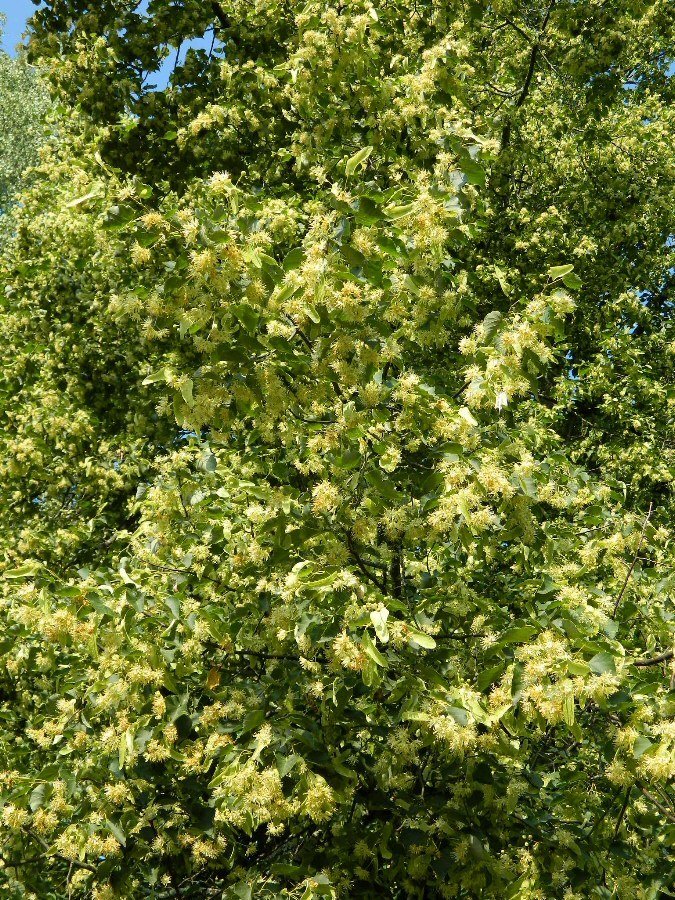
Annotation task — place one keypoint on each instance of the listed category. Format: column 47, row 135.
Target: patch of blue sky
column 18, row 12
column 160, row 78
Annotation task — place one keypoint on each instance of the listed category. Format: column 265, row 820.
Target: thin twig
column 458, row 635
column 657, row 804
column 182, row 499
column 604, row 815
column 381, row 585
column 260, row 655
column 61, row 856
column 632, row 565
column 622, row 813
column 520, row 31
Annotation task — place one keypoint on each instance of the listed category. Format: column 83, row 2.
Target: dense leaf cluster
column 337, row 454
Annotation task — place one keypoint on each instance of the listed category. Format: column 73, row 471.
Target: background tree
column 23, row 104
column 339, row 558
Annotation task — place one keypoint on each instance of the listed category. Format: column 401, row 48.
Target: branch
column 369, row 575
column 655, row 660
column 623, row 812
column 17, row 863
column 374, row 563
column 382, row 586
column 458, row 635
column 182, row 499
column 260, row 655
column 520, row 31
column 61, row 856
column 604, row 815
column 221, row 15
column 396, row 574
column 269, row 853
column 522, row 97
column 657, row 804
column 632, row 565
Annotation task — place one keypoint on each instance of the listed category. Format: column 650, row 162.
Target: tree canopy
column 337, row 393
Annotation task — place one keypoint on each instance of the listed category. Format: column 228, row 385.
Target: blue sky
column 17, row 12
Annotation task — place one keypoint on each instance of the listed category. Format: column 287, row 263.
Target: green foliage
column 337, row 555
column 23, row 104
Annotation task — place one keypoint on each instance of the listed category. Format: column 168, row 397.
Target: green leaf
column 160, row 375
column 517, row 682
column 503, row 284
column 459, row 714
column 499, row 713
column 37, row 797
column 286, row 764
column 126, row 746
column 556, row 272
column 602, row 662
column 518, row 635
column 476, row 847
column 100, row 607
column 399, row 212
column 491, row 324
column 379, row 619
column 641, row 745
column 568, row 708
column 29, row 570
column 415, row 715
column 468, row 417
column 572, row 281
column 420, row 639
column 186, row 391
column 84, row 199
column 116, row 831
column 574, row 667
column 356, row 160
column 293, row 259
column 489, row 676
column 372, row 651
column 368, row 212
column 474, row 172
column 512, row 891
column 248, row 316
column 207, row 462
column 370, row 674
column 252, row 721
column 311, row 313
column 286, row 292
column 174, row 605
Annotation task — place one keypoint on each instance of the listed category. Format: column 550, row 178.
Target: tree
column 339, row 559
column 23, row 104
